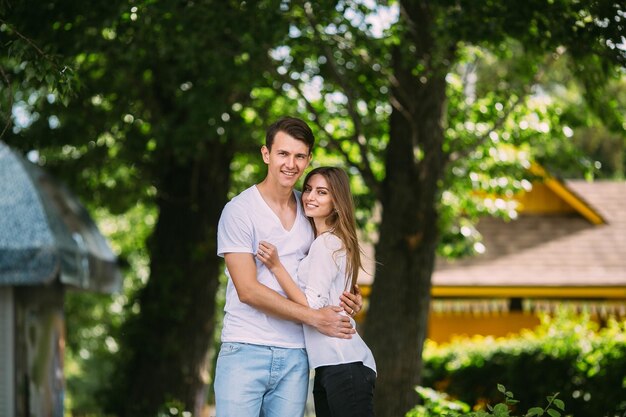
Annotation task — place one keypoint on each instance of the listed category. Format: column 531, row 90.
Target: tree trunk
column 168, row 342
column 399, row 307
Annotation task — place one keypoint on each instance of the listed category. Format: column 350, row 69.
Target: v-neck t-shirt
column 245, row 221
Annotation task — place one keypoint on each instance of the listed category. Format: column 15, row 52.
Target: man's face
column 287, row 159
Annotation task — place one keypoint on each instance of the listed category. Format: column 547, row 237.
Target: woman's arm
column 325, row 268
column 269, row 256
column 242, row 269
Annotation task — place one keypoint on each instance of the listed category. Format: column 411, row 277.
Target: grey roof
column 46, row 233
column 550, row 250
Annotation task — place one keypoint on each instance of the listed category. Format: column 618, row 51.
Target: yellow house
column 567, row 246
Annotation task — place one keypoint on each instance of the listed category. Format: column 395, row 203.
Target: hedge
column 569, row 354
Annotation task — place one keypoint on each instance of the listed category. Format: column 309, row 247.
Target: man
column 262, row 367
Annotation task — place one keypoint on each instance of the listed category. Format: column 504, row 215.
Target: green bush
column 567, row 353
column 437, row 404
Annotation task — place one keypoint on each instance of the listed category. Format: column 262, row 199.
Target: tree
column 156, row 121
column 428, row 145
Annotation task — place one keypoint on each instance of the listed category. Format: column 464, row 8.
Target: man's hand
column 328, row 321
column 352, row 303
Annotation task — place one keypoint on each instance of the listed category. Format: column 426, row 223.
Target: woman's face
column 316, row 198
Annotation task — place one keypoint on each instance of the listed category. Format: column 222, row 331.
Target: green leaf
column 535, row 411
column 501, row 410
column 50, row 79
column 559, row 404
column 501, row 388
column 554, row 413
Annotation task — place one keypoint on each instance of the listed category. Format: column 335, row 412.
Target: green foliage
column 160, row 80
column 586, row 364
column 173, row 409
column 164, row 85
column 438, row 404
column 498, row 119
column 35, row 64
column 94, row 320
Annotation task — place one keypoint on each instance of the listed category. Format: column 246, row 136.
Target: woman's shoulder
column 328, row 240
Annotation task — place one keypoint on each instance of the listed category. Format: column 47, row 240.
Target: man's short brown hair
column 297, row 128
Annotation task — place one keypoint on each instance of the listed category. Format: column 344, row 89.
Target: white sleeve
column 322, row 272
column 235, row 233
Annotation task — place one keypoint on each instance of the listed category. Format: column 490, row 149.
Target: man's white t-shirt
column 323, row 273
column 245, row 221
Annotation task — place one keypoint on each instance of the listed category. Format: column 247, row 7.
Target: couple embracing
column 292, row 259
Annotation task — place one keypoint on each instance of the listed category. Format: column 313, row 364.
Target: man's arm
column 242, row 270
column 351, row 303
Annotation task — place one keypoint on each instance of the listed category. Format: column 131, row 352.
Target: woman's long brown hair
column 342, row 220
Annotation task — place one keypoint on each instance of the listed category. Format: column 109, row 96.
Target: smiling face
column 287, row 159
column 317, row 199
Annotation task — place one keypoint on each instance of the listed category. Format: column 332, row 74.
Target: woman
column 345, row 371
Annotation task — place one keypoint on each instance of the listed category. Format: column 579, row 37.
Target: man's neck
column 275, row 194
column 281, row 201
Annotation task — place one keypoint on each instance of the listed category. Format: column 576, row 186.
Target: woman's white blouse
column 322, row 274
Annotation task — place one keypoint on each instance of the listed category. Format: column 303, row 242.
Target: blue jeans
column 266, row 381
column 345, row 390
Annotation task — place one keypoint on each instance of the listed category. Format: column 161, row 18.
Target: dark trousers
column 345, row 390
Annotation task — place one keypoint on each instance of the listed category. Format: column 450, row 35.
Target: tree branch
column 334, row 143
column 351, row 95
column 29, row 42
column 7, row 81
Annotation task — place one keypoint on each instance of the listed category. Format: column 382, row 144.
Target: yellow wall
column 552, row 196
column 442, row 327
column 542, row 200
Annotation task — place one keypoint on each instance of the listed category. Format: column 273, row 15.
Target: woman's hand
column 268, row 254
